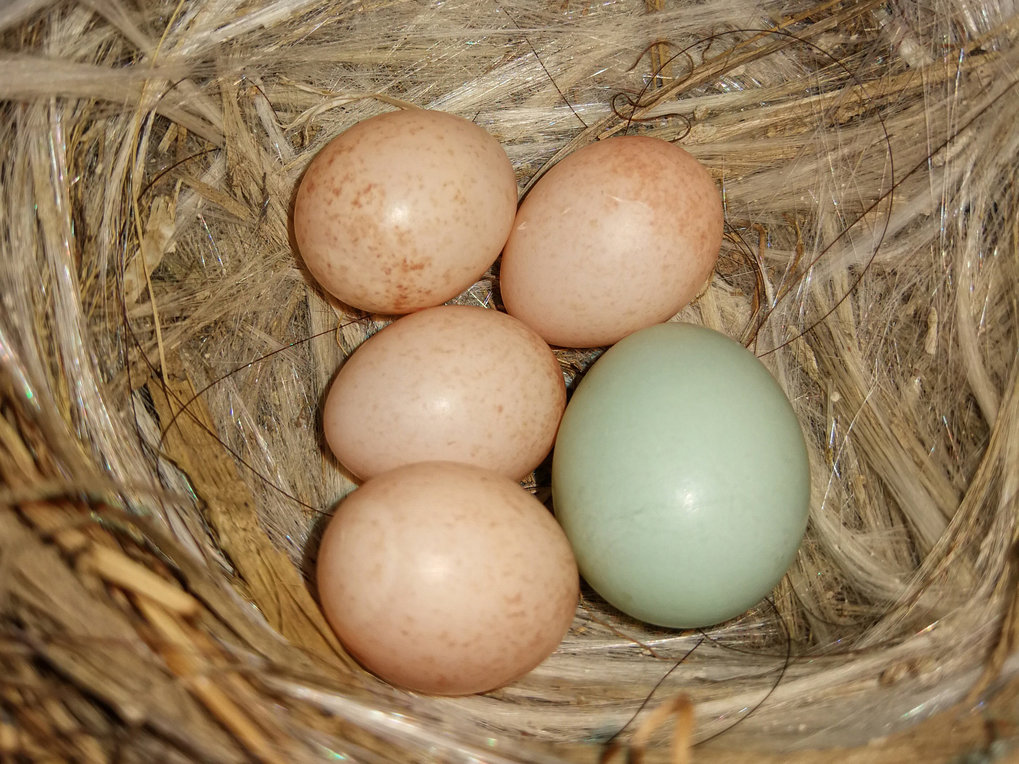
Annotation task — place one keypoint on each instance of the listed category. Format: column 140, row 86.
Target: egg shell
column 446, row 579
column 457, row 383
column 680, row 476
column 619, row 235
column 404, row 210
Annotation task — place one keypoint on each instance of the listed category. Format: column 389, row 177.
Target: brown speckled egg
column 404, row 210
column 446, row 579
column 456, row 383
column 617, row 236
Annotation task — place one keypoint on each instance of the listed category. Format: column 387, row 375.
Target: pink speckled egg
column 617, row 236
column 404, row 210
column 446, row 579
column 456, row 383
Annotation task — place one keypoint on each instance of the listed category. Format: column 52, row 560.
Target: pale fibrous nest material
column 163, row 357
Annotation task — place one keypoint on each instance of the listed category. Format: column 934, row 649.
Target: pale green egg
column 680, row 477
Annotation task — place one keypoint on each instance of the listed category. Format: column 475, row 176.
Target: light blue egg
column 680, row 477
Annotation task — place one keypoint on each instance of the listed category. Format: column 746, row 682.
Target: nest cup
column 163, row 358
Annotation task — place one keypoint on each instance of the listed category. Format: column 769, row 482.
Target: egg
column 446, row 579
column 455, row 382
column 404, row 210
column 619, row 235
column 680, row 477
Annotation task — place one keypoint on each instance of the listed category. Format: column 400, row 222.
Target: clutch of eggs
column 679, row 473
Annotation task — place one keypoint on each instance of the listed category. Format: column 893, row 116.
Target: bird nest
column 163, row 357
